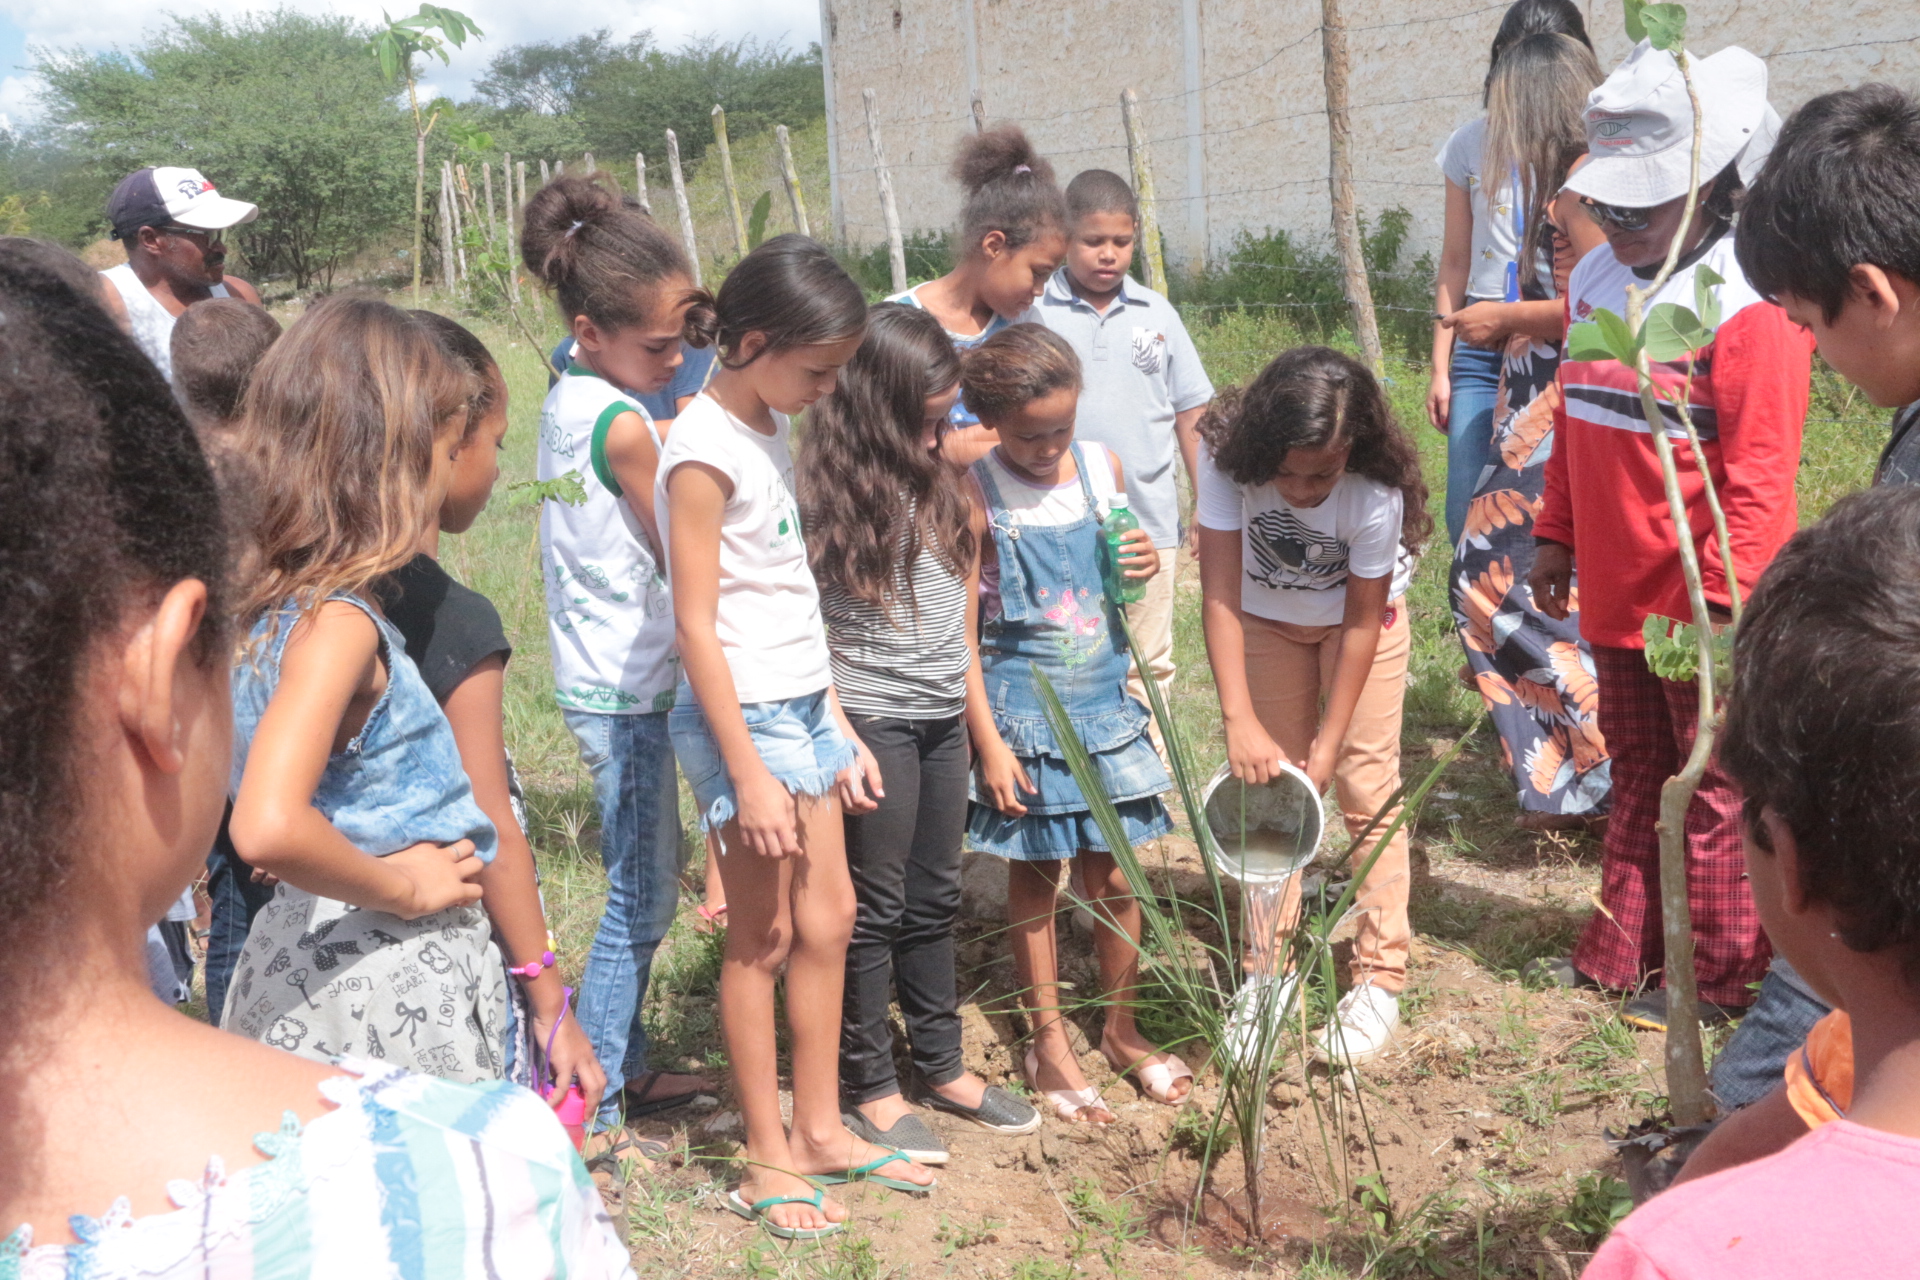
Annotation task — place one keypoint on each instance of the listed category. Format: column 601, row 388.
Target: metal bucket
column 1265, row 833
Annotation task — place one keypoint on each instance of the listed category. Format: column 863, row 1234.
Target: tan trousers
column 1289, row 668
column 1152, row 621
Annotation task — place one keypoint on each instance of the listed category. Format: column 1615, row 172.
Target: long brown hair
column 1313, row 398
column 339, row 424
column 1536, row 128
column 870, row 495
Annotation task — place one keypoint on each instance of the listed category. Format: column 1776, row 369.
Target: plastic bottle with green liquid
column 1118, row 524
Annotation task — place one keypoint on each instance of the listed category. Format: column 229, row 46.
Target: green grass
column 500, row 558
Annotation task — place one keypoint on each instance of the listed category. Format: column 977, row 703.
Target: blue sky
column 103, row 24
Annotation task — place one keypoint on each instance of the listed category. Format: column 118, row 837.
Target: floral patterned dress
column 1534, row 672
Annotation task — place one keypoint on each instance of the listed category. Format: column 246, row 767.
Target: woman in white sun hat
column 1605, row 509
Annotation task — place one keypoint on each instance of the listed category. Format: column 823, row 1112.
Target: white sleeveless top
column 609, row 613
column 152, row 323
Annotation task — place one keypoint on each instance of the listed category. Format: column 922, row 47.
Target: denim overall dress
column 320, row 978
column 1054, row 617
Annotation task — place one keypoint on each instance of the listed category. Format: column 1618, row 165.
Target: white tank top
column 152, row 323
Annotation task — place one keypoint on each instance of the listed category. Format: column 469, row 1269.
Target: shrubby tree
column 618, row 97
column 283, row 109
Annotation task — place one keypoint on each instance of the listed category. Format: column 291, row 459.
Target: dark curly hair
column 869, row 491
column 603, row 258
column 1017, row 365
column 105, row 502
column 1313, row 398
column 1823, row 721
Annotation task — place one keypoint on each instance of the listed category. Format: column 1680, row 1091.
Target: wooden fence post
column 486, row 182
column 896, row 248
column 559, row 168
column 546, row 173
column 1346, row 217
column 979, row 113
column 1154, row 265
column 520, row 174
column 449, row 275
column 589, row 163
column 680, row 199
column 640, row 173
column 459, row 186
column 791, row 176
column 726, row 176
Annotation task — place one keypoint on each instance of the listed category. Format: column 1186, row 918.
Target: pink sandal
column 714, row 918
column 1156, row 1073
column 1070, row 1105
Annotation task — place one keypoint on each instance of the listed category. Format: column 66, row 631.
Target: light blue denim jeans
column 631, row 758
column 1753, row 1062
column 1475, row 376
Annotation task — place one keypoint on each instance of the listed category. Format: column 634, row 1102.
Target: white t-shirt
column 1496, row 218
column 609, row 613
column 1051, row 505
column 1297, row 559
column 769, row 609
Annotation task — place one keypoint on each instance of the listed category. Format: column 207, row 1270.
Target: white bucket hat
column 1640, row 126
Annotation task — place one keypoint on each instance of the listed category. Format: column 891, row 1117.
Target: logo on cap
column 192, row 188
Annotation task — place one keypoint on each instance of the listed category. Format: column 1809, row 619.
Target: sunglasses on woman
column 1619, row 216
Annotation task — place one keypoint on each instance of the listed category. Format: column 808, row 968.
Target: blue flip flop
column 757, row 1212
column 865, row 1173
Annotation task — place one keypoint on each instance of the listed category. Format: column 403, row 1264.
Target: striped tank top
column 909, row 662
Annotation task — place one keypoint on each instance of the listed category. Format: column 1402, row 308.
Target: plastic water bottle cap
column 1119, row 499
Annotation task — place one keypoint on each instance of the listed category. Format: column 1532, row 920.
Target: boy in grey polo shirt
column 1144, row 388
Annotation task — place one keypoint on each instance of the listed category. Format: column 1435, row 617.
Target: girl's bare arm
column 1252, row 753
column 1359, row 641
column 634, row 461
column 507, row 886
column 768, row 819
column 1450, row 291
column 1000, row 770
column 332, row 656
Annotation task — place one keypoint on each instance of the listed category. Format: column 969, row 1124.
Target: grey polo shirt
column 1140, row 369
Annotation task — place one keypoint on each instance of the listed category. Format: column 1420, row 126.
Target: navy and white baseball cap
column 157, row 197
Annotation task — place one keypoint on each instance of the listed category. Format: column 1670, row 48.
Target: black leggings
column 905, row 861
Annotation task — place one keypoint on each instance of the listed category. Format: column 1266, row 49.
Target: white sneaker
column 1260, row 999
column 1365, row 1026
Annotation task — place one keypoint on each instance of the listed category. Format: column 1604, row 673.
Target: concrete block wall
column 1233, row 98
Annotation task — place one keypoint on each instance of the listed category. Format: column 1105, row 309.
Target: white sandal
column 1070, row 1105
column 1156, row 1073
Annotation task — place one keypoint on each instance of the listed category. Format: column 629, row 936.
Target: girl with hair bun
column 116, row 640
column 625, row 289
column 1012, row 237
column 768, row 752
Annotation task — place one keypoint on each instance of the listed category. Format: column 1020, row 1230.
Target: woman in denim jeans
column 886, row 522
column 626, row 291
column 1477, row 303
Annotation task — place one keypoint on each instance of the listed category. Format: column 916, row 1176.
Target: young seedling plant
column 1670, row 333
column 1194, row 995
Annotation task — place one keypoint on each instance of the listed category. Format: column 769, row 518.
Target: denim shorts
column 797, row 739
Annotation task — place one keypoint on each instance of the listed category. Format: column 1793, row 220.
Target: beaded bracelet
column 534, row 968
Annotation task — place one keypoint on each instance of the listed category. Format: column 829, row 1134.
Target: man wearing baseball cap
column 1605, row 506
column 173, row 224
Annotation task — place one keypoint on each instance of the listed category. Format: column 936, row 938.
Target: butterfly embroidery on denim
column 1082, row 629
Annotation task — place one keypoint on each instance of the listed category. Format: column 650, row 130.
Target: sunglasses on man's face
column 205, row 239
column 1617, row 216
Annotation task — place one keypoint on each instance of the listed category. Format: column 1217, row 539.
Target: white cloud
column 103, row 24
column 17, row 104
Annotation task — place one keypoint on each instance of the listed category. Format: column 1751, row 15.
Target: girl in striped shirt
column 887, row 536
